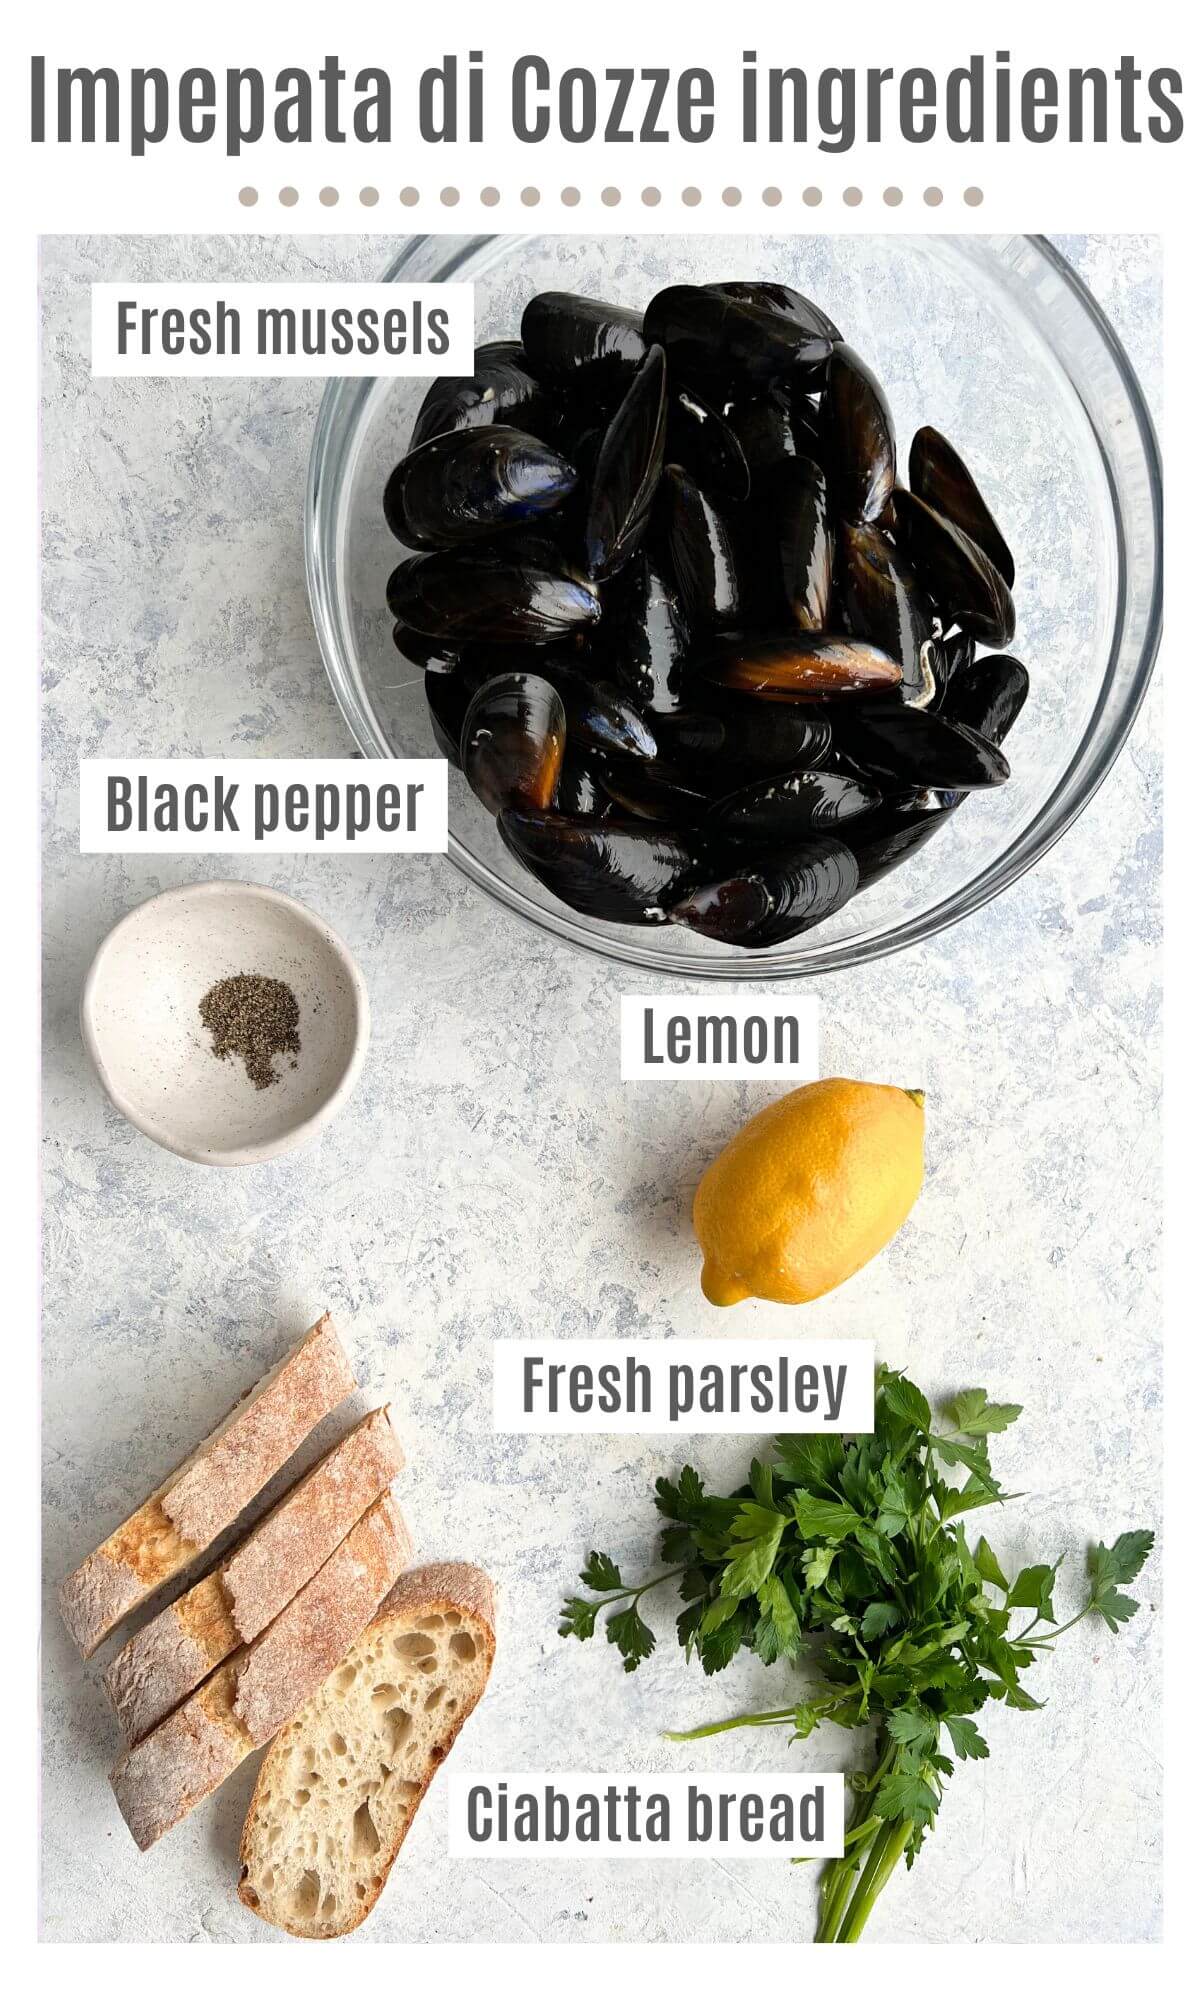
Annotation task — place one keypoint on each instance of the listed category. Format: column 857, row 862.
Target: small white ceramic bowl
column 142, row 1028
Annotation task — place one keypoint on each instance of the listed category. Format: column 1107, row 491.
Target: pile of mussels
column 681, row 627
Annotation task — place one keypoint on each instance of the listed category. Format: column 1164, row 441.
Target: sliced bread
column 170, row 1656
column 340, row 1786
column 248, row 1698
column 205, row 1495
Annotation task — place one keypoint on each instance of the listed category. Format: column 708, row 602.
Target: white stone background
column 492, row 1177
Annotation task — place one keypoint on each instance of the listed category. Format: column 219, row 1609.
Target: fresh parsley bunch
column 851, row 1554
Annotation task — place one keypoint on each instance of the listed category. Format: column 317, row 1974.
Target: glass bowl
column 992, row 339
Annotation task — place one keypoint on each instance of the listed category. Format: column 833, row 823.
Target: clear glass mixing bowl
column 992, row 339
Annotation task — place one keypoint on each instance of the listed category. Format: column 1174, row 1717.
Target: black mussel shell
column 947, row 656
column 919, row 746
column 564, row 336
column 465, row 485
column 580, row 794
column 963, row 582
column 643, row 639
column 458, row 596
column 772, row 429
column 421, row 651
column 653, row 790
column 600, row 716
column 884, row 840
column 883, row 602
column 744, row 735
column 728, row 345
column 988, row 696
column 702, row 553
column 628, row 468
column 624, row 871
column 799, row 666
column 937, row 475
column 513, row 737
column 702, row 442
column 449, row 697
column 801, row 506
column 761, row 906
column 501, row 390
column 861, row 449
column 780, row 299
column 790, row 806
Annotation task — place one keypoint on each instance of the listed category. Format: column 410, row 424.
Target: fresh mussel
column 513, row 738
column 947, row 656
column 449, row 697
column 501, row 390
column 422, row 651
column 580, row 795
column 653, row 790
column 729, row 345
column 919, row 746
column 599, row 715
column 624, row 871
column 937, row 475
column 883, row 602
column 861, row 452
column 772, row 429
column 628, row 468
column 565, row 336
column 745, row 735
column 644, row 639
column 453, row 596
column 988, row 696
column 779, row 299
column 800, row 666
column 882, row 841
column 789, row 807
column 702, row 442
column 769, row 903
column 464, row 485
column 964, row 583
column 801, row 503
column 703, row 557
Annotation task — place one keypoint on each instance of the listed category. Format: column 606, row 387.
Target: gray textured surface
column 493, row 1177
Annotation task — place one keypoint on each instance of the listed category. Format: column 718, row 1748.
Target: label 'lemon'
column 809, row 1191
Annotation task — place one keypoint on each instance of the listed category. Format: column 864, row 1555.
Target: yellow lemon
column 809, row 1191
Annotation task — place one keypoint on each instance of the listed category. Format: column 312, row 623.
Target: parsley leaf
column 600, row 1573
column 630, row 1634
column 964, row 1734
column 832, row 1519
column 578, row 1619
column 905, row 1400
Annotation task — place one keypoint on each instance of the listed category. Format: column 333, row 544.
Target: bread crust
column 205, row 1495
column 161, row 1664
column 427, row 1591
column 160, row 1780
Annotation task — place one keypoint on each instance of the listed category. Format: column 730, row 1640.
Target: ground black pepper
column 255, row 1018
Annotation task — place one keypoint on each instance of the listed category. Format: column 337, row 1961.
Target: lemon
column 809, row 1191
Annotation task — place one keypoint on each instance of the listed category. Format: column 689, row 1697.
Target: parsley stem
column 772, row 1718
column 887, row 1847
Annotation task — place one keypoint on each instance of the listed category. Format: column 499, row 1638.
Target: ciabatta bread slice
column 170, row 1656
column 254, row 1693
column 340, row 1786
column 205, row 1495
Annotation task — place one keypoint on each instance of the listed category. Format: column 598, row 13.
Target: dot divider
column 612, row 197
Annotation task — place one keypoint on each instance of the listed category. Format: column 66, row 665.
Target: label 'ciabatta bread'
column 205, row 1495
column 161, row 1664
column 241, row 1706
column 340, row 1786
